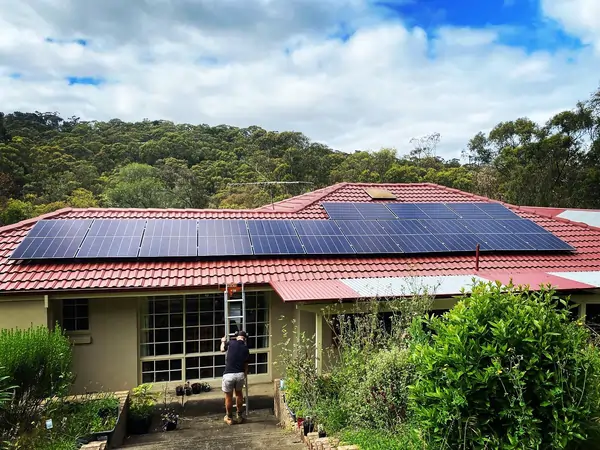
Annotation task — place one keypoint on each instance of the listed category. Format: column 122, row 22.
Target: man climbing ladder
column 235, row 375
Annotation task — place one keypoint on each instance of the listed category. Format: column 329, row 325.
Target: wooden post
column 319, row 342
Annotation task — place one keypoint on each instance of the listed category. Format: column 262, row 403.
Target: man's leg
column 227, row 388
column 239, row 397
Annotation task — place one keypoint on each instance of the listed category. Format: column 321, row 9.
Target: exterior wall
column 110, row 361
column 22, row 314
column 282, row 314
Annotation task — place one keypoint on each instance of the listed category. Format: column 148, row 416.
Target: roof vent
column 380, row 194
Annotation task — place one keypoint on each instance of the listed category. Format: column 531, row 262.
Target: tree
column 137, row 186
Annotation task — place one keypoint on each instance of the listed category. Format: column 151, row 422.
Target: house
column 141, row 306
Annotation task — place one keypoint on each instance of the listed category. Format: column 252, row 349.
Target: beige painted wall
column 282, row 315
column 22, row 313
column 110, row 361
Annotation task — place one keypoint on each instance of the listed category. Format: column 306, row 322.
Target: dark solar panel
column 322, row 237
column 169, row 238
column 342, row 211
column 545, row 241
column 480, row 226
column 445, row 226
column 271, row 228
column 497, row 211
column 468, row 210
column 223, row 238
column 374, row 244
column 419, row 243
column 407, row 211
column 361, row 227
column 371, row 211
column 274, row 237
column 110, row 238
column 404, row 227
column 53, row 239
column 502, row 242
column 459, row 242
column 317, row 228
column 521, row 226
column 437, row 211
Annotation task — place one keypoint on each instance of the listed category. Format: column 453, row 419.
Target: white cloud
column 225, row 61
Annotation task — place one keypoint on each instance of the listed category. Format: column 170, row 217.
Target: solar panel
column 322, row 237
column 437, row 211
column 407, row 211
column 53, row 239
column 169, row 238
column 468, row 210
column 481, row 226
column 460, row 242
column 374, row 211
column 274, row 237
column 373, row 244
column 545, row 241
column 109, row 238
column 361, row 227
column 497, row 211
column 342, row 211
column 404, row 227
column 502, row 242
column 419, row 243
column 445, row 226
column 223, row 238
column 522, row 226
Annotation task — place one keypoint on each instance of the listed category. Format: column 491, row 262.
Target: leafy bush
column 142, row 402
column 507, row 370
column 405, row 438
column 37, row 362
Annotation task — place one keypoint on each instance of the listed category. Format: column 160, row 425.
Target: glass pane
column 147, row 378
column 206, row 303
column 192, row 362
column 176, row 348
column 177, row 334
column 207, row 333
column 191, row 303
column 192, row 347
column 147, row 350
column 262, row 302
column 177, row 305
column 161, row 321
column 161, row 335
column 251, row 329
column 219, row 304
column 161, row 306
column 162, row 365
column 82, row 324
column 217, row 345
column 175, row 364
column 219, row 331
column 149, row 306
column 262, row 329
column 235, row 325
column 192, row 320
column 220, row 360
column 147, row 336
column 81, row 311
column 252, row 358
column 250, row 301
column 162, row 376
column 192, row 374
column 69, row 324
column 262, row 342
column 177, row 320
column 148, row 366
column 176, row 375
column 206, row 372
column 192, row 334
column 147, row 321
column 206, row 361
column 251, row 315
column 206, row 318
column 262, row 368
column 219, row 371
column 262, row 357
column 206, row 346
column 161, row 349
column 262, row 315
column 219, row 318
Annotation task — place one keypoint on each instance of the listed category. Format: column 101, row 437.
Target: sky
column 353, row 74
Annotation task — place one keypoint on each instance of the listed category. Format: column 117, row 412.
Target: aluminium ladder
column 235, row 316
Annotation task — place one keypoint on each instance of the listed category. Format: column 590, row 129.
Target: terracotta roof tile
column 48, row 276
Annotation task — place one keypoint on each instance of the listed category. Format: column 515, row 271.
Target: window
column 181, row 336
column 592, row 316
column 75, row 315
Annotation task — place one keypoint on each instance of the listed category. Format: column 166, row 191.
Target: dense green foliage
column 507, row 370
column 47, row 162
column 37, row 362
column 142, row 402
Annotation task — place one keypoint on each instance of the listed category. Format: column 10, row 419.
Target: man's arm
column 224, row 344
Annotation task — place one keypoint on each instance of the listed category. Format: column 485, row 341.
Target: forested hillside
column 47, row 162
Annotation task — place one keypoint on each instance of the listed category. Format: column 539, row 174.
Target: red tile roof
column 18, row 276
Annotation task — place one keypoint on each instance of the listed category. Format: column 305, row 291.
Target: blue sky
column 354, row 74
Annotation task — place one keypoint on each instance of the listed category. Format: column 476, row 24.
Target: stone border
column 312, row 440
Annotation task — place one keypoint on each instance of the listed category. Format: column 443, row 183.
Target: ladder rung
column 235, row 300
column 235, row 317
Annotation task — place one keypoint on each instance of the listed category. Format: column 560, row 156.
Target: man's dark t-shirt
column 237, row 356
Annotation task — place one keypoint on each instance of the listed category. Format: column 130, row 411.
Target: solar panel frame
column 169, row 238
column 407, row 211
column 53, row 239
column 223, row 237
column 221, row 227
column 113, row 238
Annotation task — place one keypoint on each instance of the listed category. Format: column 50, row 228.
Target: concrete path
column 209, row 432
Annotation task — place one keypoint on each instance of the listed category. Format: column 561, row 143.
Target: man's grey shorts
column 233, row 382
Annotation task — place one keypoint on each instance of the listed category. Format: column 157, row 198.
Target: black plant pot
column 179, row 391
column 196, row 388
column 188, row 390
column 309, row 427
column 322, row 434
column 139, row 425
column 170, row 425
column 205, row 387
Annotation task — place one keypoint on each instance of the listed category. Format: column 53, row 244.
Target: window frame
column 73, row 303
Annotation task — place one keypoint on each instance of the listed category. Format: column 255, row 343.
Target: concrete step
column 210, row 432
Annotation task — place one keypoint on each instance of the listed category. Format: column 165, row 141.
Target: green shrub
column 506, row 370
column 142, row 402
column 37, row 362
column 405, row 438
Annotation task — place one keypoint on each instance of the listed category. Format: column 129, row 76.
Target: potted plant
column 141, row 409
column 179, row 391
column 169, row 419
column 196, row 388
column 188, row 389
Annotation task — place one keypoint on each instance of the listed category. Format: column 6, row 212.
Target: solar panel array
column 359, row 228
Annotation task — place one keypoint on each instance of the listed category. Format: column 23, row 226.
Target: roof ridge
column 33, row 220
column 311, row 198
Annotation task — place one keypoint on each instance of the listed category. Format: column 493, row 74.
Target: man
column 234, row 377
